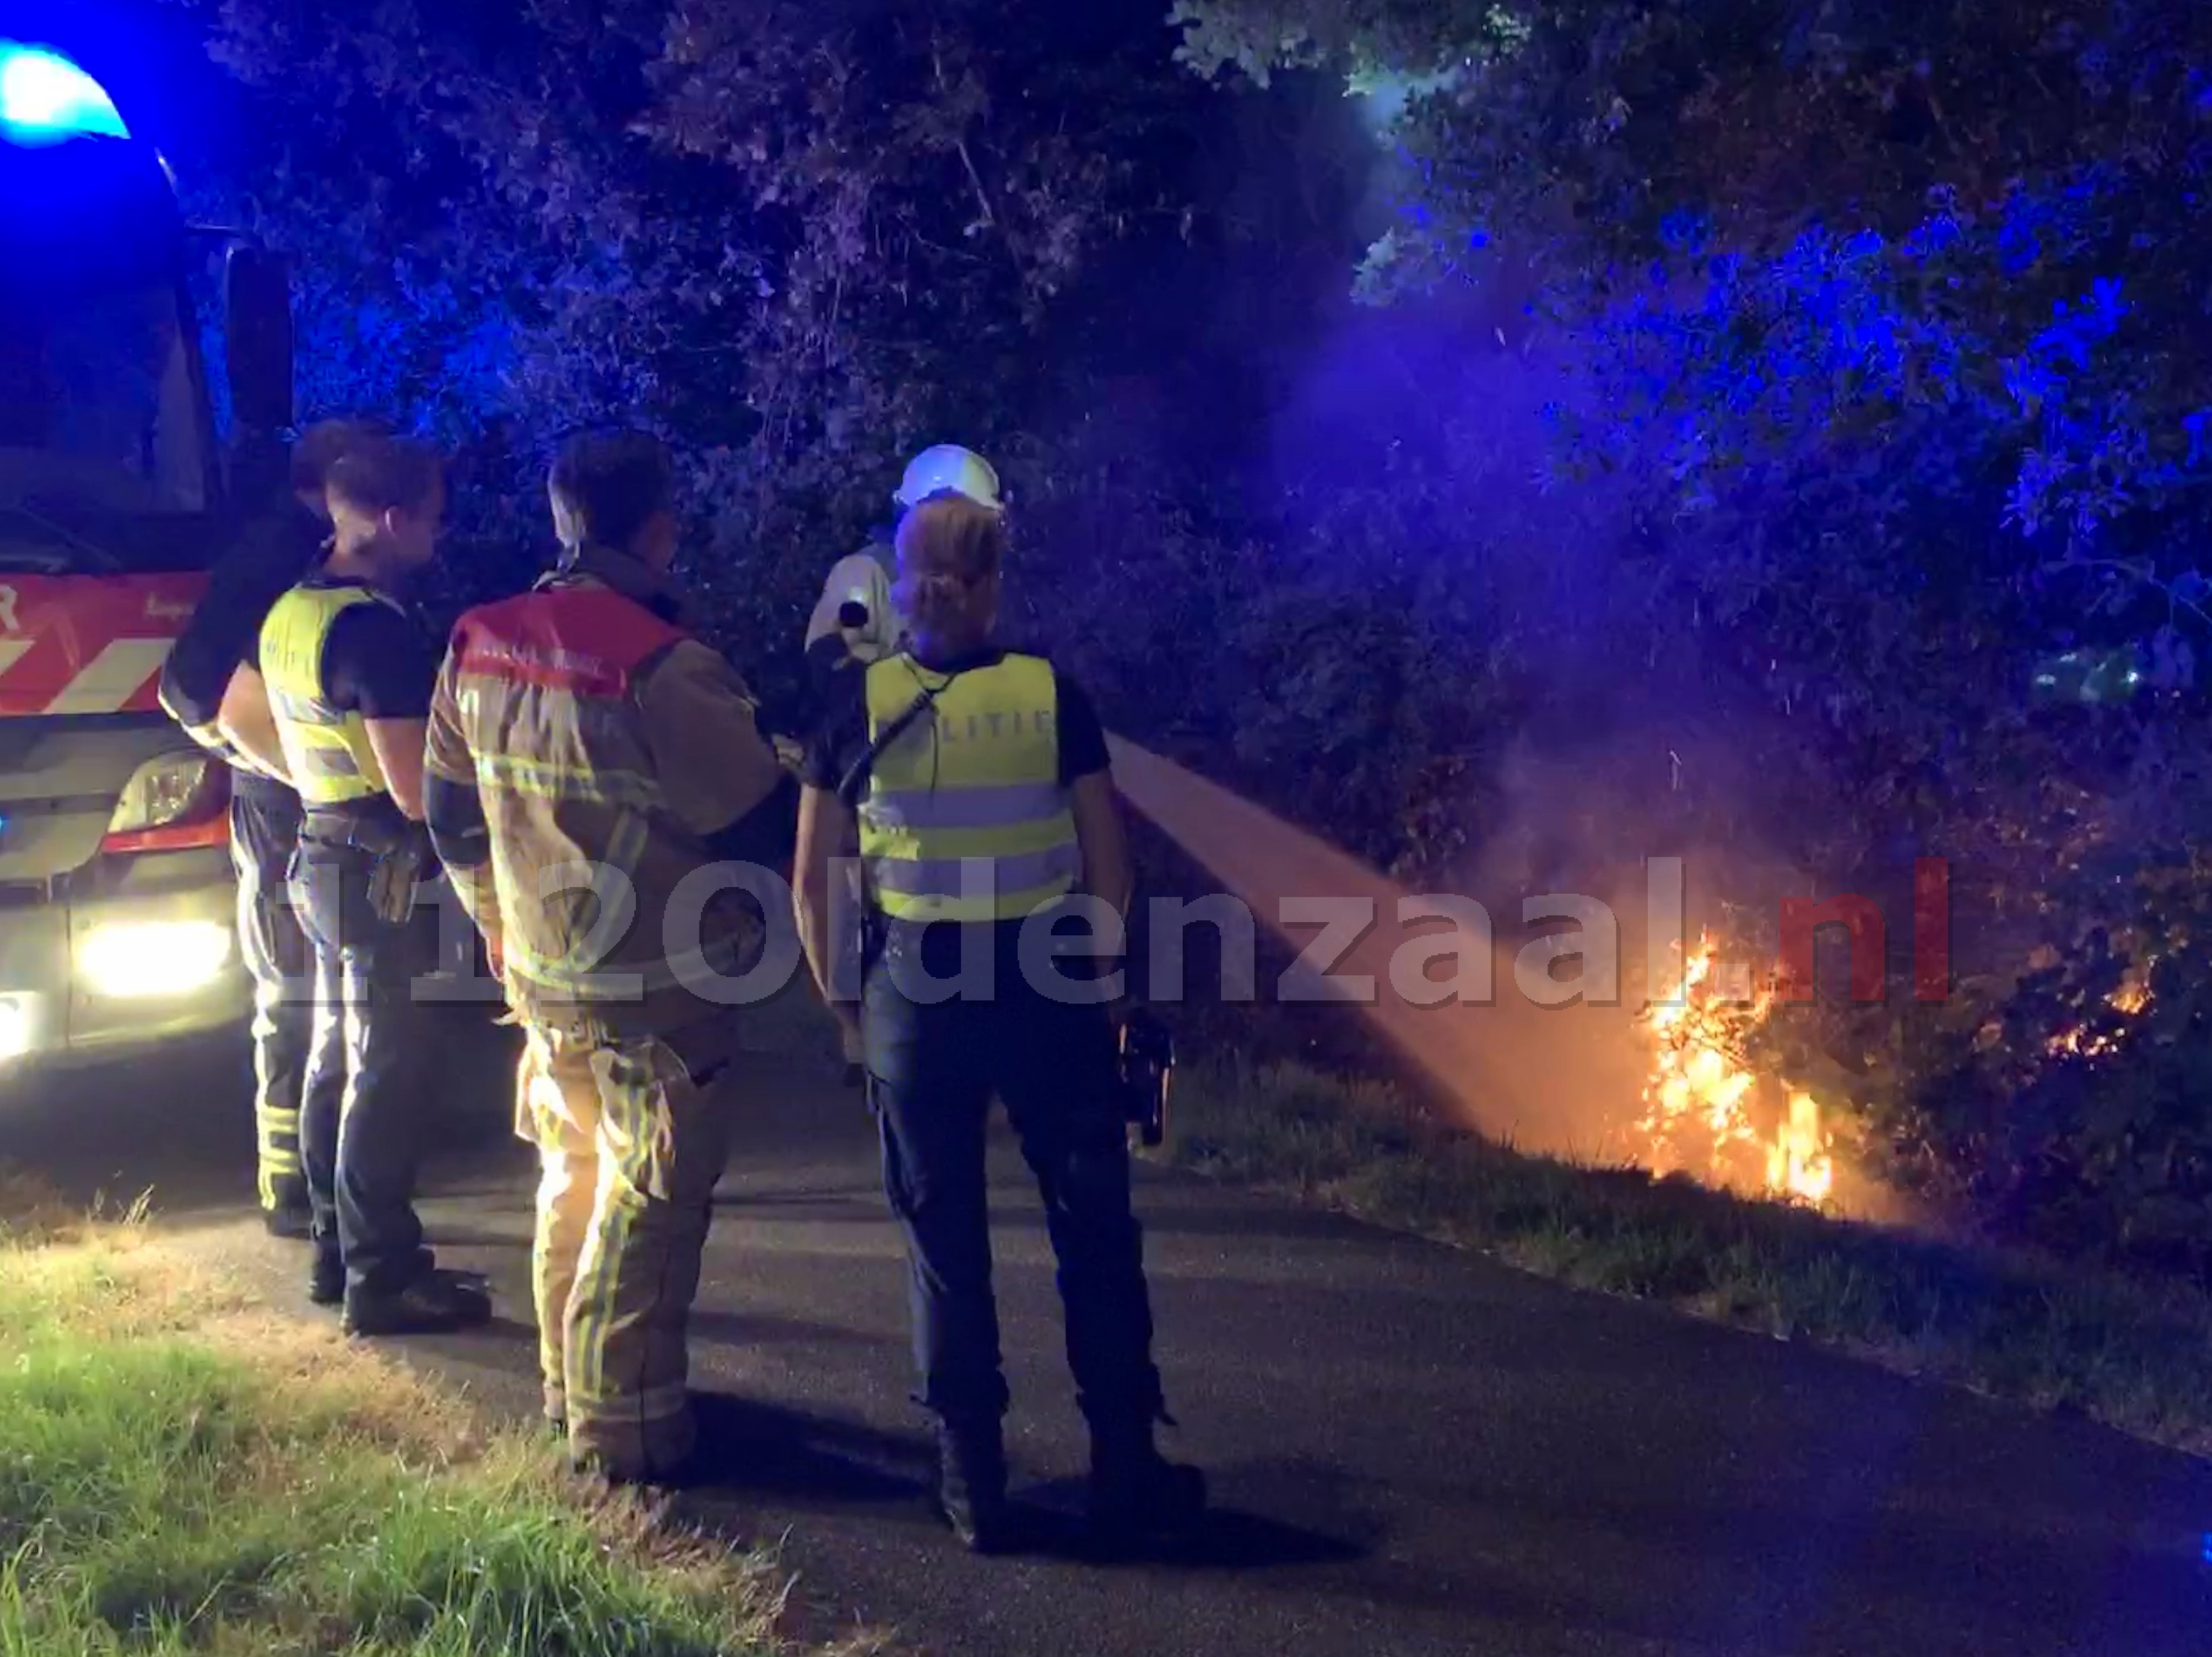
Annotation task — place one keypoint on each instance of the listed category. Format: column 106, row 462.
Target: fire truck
column 117, row 900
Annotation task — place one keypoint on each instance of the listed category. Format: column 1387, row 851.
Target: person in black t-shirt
column 975, row 781
column 210, row 687
column 349, row 675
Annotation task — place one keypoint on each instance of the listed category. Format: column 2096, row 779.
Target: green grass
column 180, row 1473
column 2134, row 1355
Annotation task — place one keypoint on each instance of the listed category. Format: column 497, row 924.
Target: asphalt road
column 1415, row 1452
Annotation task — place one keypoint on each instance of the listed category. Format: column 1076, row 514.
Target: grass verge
column 2134, row 1356
column 182, row 1473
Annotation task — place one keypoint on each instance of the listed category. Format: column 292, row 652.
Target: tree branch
column 975, row 175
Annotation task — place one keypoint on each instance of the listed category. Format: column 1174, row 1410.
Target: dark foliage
column 1776, row 430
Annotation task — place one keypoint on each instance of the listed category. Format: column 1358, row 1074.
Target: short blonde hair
column 950, row 551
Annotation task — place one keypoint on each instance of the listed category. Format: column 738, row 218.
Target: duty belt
column 354, row 833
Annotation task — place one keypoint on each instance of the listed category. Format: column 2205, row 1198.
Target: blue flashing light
column 43, row 95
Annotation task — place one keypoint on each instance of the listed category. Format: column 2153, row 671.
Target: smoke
column 1558, row 727
column 1542, row 1077
column 1327, row 553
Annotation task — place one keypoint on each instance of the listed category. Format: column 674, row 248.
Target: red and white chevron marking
column 84, row 644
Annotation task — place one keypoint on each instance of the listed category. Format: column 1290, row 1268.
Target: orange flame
column 1702, row 1088
column 2130, row 998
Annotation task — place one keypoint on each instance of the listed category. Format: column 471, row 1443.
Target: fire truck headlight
column 137, row 960
column 172, row 802
column 15, row 1029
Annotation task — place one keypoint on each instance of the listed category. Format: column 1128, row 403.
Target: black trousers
column 360, row 1126
column 264, row 828
column 933, row 1071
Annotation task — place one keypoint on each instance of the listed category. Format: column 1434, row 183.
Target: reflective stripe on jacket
column 326, row 749
column 590, row 852
column 965, row 817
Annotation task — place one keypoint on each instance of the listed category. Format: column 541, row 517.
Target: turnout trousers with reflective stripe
column 630, row 1151
column 933, row 1064
column 264, row 827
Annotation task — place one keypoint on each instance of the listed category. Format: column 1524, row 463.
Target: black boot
column 971, row 1484
column 326, row 1282
column 294, row 1222
column 1135, row 1492
column 688, row 1472
column 437, row 1302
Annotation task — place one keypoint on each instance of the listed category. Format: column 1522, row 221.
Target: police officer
column 984, row 798
column 211, row 685
column 349, row 675
column 581, row 721
column 856, row 621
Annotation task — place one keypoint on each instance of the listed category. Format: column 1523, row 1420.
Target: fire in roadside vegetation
column 1708, row 1113
column 1703, row 1103
column 2130, row 998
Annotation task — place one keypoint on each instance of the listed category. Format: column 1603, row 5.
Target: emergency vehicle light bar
column 43, row 95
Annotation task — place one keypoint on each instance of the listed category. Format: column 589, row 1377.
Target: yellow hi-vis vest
column 327, row 751
column 965, row 817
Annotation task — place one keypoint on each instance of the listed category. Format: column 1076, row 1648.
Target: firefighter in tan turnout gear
column 211, row 685
column 582, row 743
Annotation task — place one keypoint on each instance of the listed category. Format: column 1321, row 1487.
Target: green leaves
column 800, row 242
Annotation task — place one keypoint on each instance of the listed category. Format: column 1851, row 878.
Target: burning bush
column 2071, row 1106
column 1710, row 1111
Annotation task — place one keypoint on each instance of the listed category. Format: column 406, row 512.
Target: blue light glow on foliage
column 1846, row 350
column 1684, row 232
column 44, row 96
column 1384, row 94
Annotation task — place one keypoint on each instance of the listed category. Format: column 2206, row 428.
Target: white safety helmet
column 948, row 466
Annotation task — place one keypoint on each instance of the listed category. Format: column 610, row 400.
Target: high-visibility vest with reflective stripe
column 965, row 817
column 325, row 748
